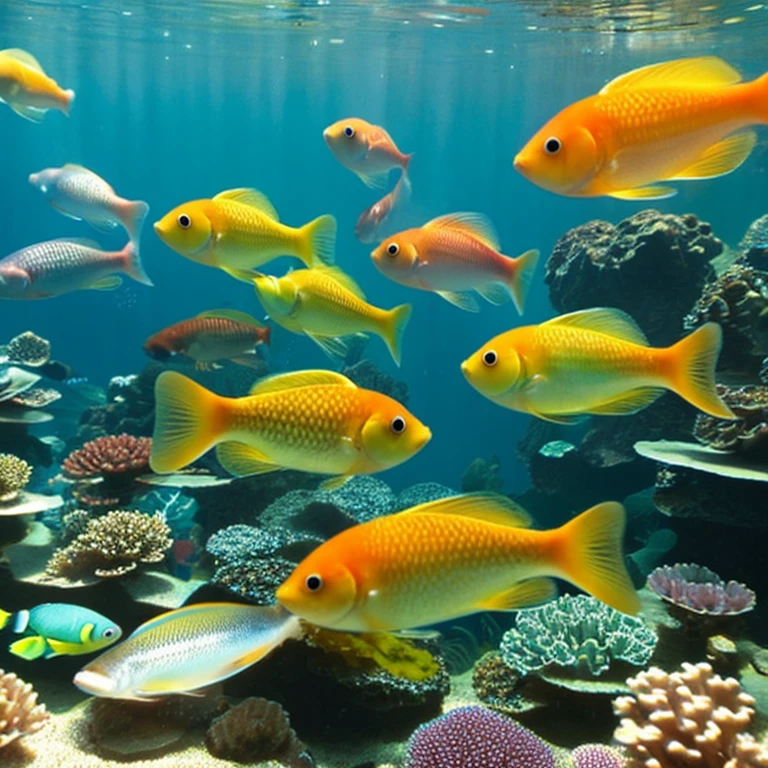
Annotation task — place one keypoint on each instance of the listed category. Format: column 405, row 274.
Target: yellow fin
column 243, row 275
column 721, row 158
column 60, row 648
column 85, row 633
column 523, row 595
column 24, row 57
column 28, row 648
column 334, row 273
column 234, row 315
column 241, row 460
column 630, row 402
column 644, row 193
column 394, row 330
column 473, row 224
column 491, row 507
column 4, row 618
column 333, row 346
column 462, row 300
column 252, row 198
column 317, row 241
column 283, row 381
column 606, row 320
column 702, row 71
column 106, row 284
column 332, row 483
column 566, row 419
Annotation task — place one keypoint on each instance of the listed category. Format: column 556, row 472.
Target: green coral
column 14, row 475
column 578, row 633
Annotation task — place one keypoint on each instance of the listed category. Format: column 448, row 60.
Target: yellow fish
column 325, row 303
column 594, row 362
column 449, row 558
column 240, row 229
column 313, row 421
column 671, row 121
column 27, row 90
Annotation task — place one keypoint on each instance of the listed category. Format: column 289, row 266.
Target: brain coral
column 476, row 737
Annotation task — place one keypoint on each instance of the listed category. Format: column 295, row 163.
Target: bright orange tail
column 759, row 91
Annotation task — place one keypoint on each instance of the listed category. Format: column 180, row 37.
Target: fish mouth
column 465, row 369
column 519, row 163
column 95, row 683
column 424, row 438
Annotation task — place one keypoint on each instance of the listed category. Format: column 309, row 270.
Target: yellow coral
column 14, row 475
column 394, row 654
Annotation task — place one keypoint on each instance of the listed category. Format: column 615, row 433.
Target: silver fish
column 60, row 266
column 81, row 194
column 369, row 227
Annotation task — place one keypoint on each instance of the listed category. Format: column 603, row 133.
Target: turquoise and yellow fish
column 58, row 629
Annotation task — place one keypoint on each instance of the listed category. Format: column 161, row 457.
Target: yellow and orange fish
column 454, row 255
column 312, row 421
column 594, row 362
column 27, row 90
column 449, row 558
column 679, row 120
column 366, row 149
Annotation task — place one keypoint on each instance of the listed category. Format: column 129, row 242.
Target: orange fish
column 453, row 255
column 679, row 120
column 594, row 362
column 452, row 557
column 220, row 334
column 367, row 150
column 372, row 219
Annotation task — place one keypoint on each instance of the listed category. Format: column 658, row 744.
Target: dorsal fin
column 490, row 507
column 24, row 57
column 342, row 278
column 607, row 320
column 473, row 224
column 283, row 381
column 702, row 71
column 251, row 197
column 234, row 315
column 77, row 167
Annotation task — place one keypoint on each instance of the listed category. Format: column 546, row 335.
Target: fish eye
column 313, row 582
column 397, row 425
column 393, row 249
column 107, row 633
column 490, row 358
column 553, row 145
column 349, row 131
column 184, row 221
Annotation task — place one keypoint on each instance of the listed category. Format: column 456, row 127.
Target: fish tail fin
column 69, row 100
column 394, row 330
column 589, row 554
column 189, row 420
column 520, row 277
column 132, row 265
column 5, row 617
column 692, row 362
column 406, row 163
column 318, row 242
column 760, row 90
column 132, row 214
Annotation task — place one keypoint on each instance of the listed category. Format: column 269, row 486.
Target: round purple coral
column 699, row 590
column 476, row 737
column 597, row 756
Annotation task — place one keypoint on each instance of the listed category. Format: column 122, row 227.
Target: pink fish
column 371, row 220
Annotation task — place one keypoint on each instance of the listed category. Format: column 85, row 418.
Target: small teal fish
column 187, row 649
column 59, row 629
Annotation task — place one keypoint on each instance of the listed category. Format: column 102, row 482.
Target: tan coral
column 14, row 475
column 29, row 349
column 20, row 714
column 687, row 718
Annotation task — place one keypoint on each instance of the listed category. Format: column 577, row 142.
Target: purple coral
column 699, row 590
column 476, row 737
column 597, row 756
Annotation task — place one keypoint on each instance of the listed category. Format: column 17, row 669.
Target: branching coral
column 687, row 718
column 20, row 714
column 110, row 455
column 112, row 545
column 14, row 476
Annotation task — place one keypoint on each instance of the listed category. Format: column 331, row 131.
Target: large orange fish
column 594, row 362
column 679, row 120
column 453, row 557
column 454, row 255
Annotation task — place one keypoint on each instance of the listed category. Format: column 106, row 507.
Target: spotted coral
column 597, row 756
column 112, row 545
column 14, row 476
column 687, row 718
column 28, row 349
column 20, row 714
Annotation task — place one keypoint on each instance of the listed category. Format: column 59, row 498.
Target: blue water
column 180, row 101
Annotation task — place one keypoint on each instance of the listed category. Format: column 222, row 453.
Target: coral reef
column 749, row 434
column 498, row 685
column 483, row 475
column 599, row 264
column 366, row 375
column 112, row 545
column 690, row 717
column 476, row 737
column 421, row 493
column 597, row 756
column 255, row 579
column 14, row 476
column 255, row 730
column 28, row 349
column 20, row 714
column 699, row 590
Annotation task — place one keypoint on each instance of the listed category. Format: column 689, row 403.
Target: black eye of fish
column 393, row 249
column 490, row 358
column 349, row 131
column 398, row 425
column 109, row 632
column 314, row 582
column 184, row 221
column 552, row 145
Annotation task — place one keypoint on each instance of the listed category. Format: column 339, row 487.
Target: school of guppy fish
column 679, row 120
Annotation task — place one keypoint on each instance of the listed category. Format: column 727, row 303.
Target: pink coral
column 597, row 756
column 109, row 455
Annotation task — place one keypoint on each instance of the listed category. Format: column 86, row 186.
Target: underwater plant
column 20, row 714
column 14, row 476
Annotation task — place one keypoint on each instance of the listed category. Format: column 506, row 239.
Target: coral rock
column 749, row 434
column 110, row 455
column 483, row 475
column 366, row 375
column 20, row 714
column 14, row 476
column 28, row 349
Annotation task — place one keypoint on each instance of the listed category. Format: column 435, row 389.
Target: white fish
column 81, row 194
column 370, row 225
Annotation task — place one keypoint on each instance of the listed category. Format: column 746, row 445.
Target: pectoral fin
column 721, row 158
column 29, row 648
column 374, row 180
column 332, row 345
column 463, row 301
column 524, row 595
column 644, row 193
column 106, row 284
column 332, row 483
column 240, row 459
column 495, row 293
